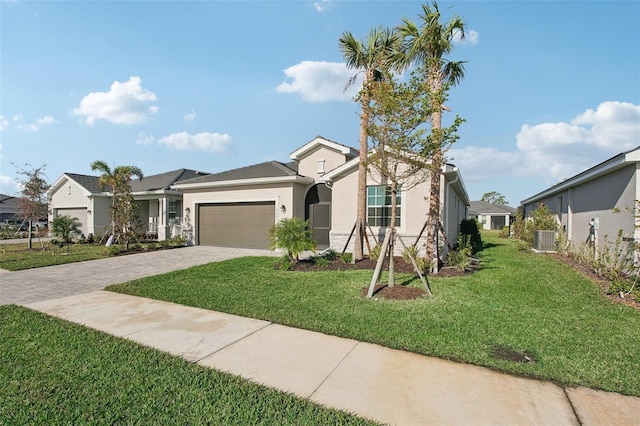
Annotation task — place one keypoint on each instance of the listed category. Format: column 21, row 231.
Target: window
column 172, row 210
column 379, row 206
column 320, row 166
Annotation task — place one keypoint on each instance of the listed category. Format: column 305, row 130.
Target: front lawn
column 525, row 303
column 56, row 372
column 16, row 257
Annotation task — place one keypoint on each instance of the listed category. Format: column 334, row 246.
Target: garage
column 244, row 225
column 79, row 213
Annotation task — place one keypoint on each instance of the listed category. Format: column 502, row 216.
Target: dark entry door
column 320, row 215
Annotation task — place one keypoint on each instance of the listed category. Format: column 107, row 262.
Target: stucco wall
column 289, row 195
column 100, row 215
column 308, row 165
column 414, row 207
column 70, row 195
column 598, row 198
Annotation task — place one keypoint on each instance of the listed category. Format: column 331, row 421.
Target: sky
column 551, row 88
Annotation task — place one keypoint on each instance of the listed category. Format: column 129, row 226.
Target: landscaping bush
column 293, row 235
column 469, row 227
column 412, row 252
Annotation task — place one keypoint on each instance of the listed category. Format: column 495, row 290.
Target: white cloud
column 322, row 5
column 7, row 185
column 38, row 124
column 124, row 103
column 183, row 141
column 556, row 151
column 319, row 81
column 144, row 139
column 471, row 38
column 4, row 123
column 190, row 116
column 17, row 117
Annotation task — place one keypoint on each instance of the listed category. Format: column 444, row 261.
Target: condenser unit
column 544, row 240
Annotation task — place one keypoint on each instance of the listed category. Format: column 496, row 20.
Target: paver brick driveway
column 51, row 282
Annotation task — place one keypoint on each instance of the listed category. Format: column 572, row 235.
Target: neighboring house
column 599, row 201
column 236, row 208
column 80, row 196
column 491, row 216
column 8, row 208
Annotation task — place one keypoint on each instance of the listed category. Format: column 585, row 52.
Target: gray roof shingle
column 482, row 207
column 255, row 171
column 164, row 180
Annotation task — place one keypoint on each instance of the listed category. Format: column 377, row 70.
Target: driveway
column 52, row 282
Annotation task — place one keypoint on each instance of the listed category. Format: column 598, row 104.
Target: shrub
column 113, row 250
column 293, row 235
column 65, row 227
column 504, row 232
column 152, row 246
column 346, row 257
column 321, row 261
column 284, row 264
column 412, row 252
column 330, row 254
column 469, row 227
column 375, row 252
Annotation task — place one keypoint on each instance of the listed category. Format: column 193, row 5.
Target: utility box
column 544, row 240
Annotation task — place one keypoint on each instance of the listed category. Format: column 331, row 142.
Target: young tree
column 494, row 197
column 125, row 217
column 402, row 145
column 294, row 235
column 427, row 45
column 32, row 204
column 369, row 57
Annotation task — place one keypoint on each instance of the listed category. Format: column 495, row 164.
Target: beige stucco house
column 160, row 205
column 491, row 216
column 599, row 201
column 237, row 207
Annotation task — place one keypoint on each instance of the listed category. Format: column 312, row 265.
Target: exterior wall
column 308, row 166
column 284, row 194
column 70, row 195
column 455, row 212
column 414, row 206
column 99, row 219
column 598, row 198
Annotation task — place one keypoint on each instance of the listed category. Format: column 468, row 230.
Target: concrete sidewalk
column 371, row 381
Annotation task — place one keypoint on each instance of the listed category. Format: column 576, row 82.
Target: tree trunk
column 362, row 178
column 435, row 86
column 392, row 229
column 30, row 243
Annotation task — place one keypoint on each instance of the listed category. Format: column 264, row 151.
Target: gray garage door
column 244, row 225
column 81, row 214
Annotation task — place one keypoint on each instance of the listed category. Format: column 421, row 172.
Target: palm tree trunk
column 362, row 180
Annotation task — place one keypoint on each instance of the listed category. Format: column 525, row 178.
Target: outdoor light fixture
column 283, row 209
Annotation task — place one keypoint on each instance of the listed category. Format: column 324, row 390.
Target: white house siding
column 100, row 217
column 280, row 193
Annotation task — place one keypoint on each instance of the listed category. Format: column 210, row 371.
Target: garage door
column 244, row 225
column 81, row 214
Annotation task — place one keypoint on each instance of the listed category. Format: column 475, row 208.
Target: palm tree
column 369, row 57
column 426, row 45
column 118, row 179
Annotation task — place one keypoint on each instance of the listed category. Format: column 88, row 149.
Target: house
column 598, row 202
column 80, row 196
column 491, row 216
column 236, row 208
column 8, row 208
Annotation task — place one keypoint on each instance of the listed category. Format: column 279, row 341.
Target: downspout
column 446, row 200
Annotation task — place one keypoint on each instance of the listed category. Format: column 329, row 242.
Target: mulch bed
column 397, row 292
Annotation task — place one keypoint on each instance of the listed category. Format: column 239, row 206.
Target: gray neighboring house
column 491, row 216
column 80, row 196
column 599, row 201
column 8, row 207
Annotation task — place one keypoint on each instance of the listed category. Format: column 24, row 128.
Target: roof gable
column 164, row 181
column 321, row 141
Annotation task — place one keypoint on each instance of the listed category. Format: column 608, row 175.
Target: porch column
column 163, row 226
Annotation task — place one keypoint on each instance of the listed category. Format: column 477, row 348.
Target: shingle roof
column 164, row 180
column 90, row 183
column 255, row 171
column 482, row 207
column 8, row 200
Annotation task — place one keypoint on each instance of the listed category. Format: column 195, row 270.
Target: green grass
column 522, row 301
column 16, row 257
column 55, row 372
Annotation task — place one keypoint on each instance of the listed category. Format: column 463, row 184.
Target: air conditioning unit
column 544, row 240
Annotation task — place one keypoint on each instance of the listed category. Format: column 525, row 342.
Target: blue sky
column 551, row 87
